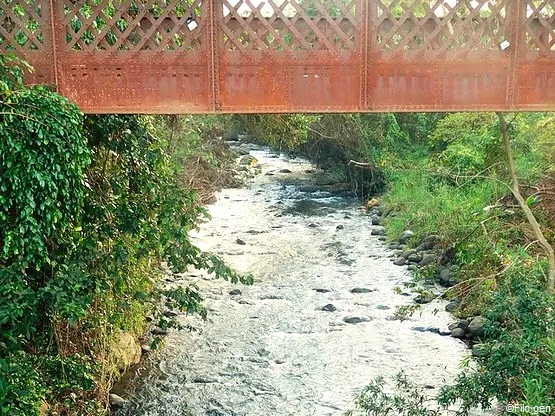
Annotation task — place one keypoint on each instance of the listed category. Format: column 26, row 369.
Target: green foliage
column 281, row 131
column 380, row 141
column 466, row 142
column 407, row 400
column 90, row 210
column 43, row 156
column 29, row 381
column 520, row 365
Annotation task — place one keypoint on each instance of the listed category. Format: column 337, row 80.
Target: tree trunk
column 524, row 206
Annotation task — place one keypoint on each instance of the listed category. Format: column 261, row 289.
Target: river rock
column 235, row 292
column 412, row 267
column 476, row 326
column 244, row 302
column 354, row 319
column 457, row 333
column 383, row 307
column 284, row 171
column 204, row 380
column 170, row 313
column 431, row 241
column 407, row 253
column 427, row 259
column 405, row 236
column 463, row 324
column 400, row 261
column 240, row 242
column 452, row 281
column 329, row 308
column 270, row 297
column 444, row 277
column 248, row 160
column 116, row 400
column 313, row 225
column 379, row 230
column 423, row 299
column 382, row 238
column 431, row 329
column 339, row 227
column 374, row 202
column 375, row 220
column 322, row 290
column 158, row 331
column 452, row 306
column 414, row 258
column 444, row 332
column 362, row 290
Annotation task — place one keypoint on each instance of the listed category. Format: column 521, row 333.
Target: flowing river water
column 272, row 350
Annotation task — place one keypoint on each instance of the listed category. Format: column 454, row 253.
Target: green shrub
column 520, row 362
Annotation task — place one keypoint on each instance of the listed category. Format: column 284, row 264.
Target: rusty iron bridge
column 267, row 56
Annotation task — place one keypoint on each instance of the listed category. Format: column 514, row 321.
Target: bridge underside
column 268, row 56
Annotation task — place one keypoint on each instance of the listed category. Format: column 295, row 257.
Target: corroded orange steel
column 240, row 56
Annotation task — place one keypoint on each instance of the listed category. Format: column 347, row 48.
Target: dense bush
column 520, row 344
column 90, row 210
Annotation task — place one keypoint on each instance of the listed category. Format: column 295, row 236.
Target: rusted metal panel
column 193, row 56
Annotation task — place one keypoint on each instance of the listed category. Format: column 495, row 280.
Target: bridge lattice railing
column 178, row 56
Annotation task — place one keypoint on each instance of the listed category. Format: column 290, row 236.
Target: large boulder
column 374, row 202
column 126, row 351
column 476, row 326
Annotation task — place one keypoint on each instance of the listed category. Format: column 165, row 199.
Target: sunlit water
column 272, row 350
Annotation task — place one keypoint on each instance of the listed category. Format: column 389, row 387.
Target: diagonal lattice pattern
column 289, row 25
column 540, row 25
column 21, row 26
column 133, row 25
column 438, row 26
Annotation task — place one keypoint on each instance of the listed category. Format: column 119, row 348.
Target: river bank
column 318, row 324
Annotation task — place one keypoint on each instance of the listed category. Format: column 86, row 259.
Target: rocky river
column 317, row 325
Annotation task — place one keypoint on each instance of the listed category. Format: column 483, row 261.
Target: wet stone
column 235, row 292
column 271, row 297
column 399, row 261
column 329, row 308
column 355, row 319
column 321, row 290
column 116, row 400
column 158, row 331
column 457, row 333
column 240, row 242
column 362, row 290
column 451, row 306
column 378, row 231
column 204, row 380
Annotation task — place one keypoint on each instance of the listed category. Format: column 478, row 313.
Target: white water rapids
column 271, row 350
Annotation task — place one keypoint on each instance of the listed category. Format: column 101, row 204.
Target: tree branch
column 524, row 206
